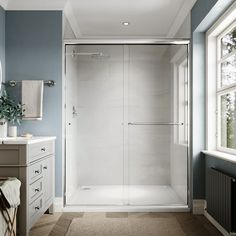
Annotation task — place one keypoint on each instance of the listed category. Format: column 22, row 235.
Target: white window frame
column 213, row 74
column 225, row 89
column 180, row 62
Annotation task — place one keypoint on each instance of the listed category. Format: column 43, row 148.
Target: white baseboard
column 216, row 224
column 199, row 206
column 58, row 204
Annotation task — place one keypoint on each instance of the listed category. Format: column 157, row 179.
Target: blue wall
column 199, row 12
column 2, row 39
column 198, row 117
column 203, row 15
column 34, row 51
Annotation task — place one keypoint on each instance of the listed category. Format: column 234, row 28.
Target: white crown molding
column 3, row 4
column 32, row 5
column 69, row 14
column 181, row 16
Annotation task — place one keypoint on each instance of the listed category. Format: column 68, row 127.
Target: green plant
column 9, row 110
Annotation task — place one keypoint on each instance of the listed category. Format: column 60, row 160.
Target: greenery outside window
column 226, row 90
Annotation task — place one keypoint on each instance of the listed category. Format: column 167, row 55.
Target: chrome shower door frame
column 131, row 41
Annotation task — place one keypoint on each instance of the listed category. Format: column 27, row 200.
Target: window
column 182, row 101
column 180, row 98
column 226, row 89
column 221, row 83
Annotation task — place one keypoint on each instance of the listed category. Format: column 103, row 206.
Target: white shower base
column 137, row 195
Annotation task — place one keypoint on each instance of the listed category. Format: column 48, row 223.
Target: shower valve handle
column 74, row 112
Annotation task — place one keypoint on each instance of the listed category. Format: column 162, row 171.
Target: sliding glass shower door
column 126, row 125
column 94, row 125
column 157, row 161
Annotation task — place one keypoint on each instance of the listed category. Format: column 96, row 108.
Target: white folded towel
column 32, row 99
column 10, row 189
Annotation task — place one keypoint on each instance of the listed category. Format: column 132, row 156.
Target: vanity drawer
column 35, row 190
column 35, row 210
column 35, row 171
column 39, row 150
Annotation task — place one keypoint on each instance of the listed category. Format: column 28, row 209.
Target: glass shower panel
column 94, row 125
column 126, row 125
column 157, row 146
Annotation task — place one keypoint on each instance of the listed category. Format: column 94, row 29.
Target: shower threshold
column 126, row 198
column 128, row 208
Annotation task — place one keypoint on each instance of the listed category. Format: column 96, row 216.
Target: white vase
column 3, row 128
column 12, row 131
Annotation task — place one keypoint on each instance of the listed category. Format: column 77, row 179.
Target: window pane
column 228, row 71
column 228, row 131
column 228, row 43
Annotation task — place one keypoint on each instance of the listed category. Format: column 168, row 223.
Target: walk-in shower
column 127, row 124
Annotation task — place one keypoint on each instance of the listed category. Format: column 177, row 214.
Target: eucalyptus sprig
column 9, row 110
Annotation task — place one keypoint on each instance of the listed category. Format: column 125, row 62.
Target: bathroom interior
column 124, row 111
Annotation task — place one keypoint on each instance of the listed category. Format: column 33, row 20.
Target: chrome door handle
column 154, row 123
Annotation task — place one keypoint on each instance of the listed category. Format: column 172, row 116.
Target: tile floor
column 58, row 224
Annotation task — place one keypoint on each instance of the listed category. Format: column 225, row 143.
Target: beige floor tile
column 95, row 214
column 44, row 226
column 117, row 214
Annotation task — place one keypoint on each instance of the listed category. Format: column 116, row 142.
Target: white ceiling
column 147, row 17
column 103, row 18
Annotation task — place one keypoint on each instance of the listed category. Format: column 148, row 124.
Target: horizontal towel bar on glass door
column 155, row 123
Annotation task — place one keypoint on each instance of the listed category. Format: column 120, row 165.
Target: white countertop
column 24, row 140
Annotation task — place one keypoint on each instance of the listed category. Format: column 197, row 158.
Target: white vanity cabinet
column 32, row 162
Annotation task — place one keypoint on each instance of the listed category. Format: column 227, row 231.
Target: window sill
column 221, row 155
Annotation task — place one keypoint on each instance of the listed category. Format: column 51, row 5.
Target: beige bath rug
column 124, row 227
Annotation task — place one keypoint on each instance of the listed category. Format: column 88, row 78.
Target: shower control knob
column 74, row 112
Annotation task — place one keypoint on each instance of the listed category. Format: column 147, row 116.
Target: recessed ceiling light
column 125, row 23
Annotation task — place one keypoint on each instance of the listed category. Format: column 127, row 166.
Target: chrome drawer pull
column 45, row 167
column 37, row 208
column 43, row 149
column 36, row 171
column 36, row 190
